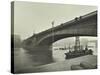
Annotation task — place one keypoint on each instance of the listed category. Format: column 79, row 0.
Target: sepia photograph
column 49, row 37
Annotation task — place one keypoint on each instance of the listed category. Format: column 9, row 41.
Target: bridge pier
column 42, row 54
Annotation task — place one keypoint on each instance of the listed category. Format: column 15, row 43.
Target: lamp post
column 52, row 33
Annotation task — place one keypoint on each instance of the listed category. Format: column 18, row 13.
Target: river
column 25, row 60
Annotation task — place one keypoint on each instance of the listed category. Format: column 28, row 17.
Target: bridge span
column 41, row 43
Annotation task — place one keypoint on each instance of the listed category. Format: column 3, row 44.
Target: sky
column 30, row 17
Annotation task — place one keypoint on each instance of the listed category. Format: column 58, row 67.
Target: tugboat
column 78, row 51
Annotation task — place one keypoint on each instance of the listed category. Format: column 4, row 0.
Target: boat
column 78, row 51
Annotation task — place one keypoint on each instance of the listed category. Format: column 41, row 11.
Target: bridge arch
column 83, row 26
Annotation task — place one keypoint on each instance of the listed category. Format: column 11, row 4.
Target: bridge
column 41, row 43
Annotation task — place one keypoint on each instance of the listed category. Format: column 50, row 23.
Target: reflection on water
column 24, row 60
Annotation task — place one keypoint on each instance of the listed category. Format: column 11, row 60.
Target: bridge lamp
column 52, row 32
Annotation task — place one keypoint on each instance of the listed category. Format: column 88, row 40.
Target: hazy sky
column 32, row 17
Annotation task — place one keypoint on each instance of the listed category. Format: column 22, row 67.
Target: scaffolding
column 77, row 43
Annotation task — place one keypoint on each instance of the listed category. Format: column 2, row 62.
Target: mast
column 69, row 48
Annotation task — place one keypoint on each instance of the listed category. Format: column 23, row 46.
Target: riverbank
column 66, row 65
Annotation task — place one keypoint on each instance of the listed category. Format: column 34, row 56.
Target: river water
column 25, row 60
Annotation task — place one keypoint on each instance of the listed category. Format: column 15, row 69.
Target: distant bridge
column 85, row 25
